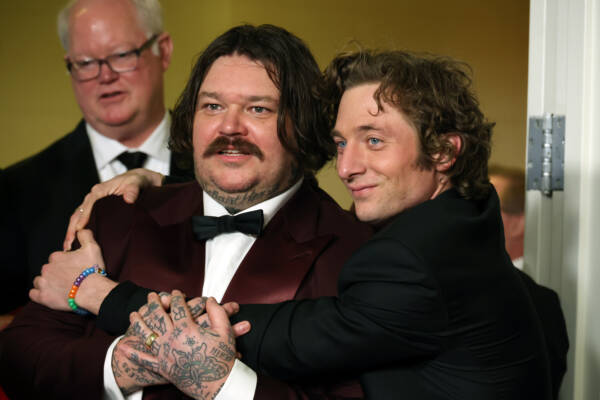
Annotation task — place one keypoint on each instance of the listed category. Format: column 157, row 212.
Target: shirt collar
column 106, row 149
column 269, row 207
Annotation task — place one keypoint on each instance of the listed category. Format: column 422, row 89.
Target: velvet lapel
column 173, row 204
column 171, row 207
column 279, row 260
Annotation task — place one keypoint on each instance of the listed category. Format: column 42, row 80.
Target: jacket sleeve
column 56, row 354
column 269, row 388
column 124, row 299
column 52, row 354
column 389, row 310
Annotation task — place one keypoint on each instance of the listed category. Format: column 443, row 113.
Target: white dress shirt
column 106, row 150
column 518, row 262
column 223, row 255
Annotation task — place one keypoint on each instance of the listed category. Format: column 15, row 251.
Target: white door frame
column 562, row 238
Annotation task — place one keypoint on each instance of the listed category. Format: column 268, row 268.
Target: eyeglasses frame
column 138, row 52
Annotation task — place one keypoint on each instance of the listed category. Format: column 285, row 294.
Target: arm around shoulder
column 389, row 310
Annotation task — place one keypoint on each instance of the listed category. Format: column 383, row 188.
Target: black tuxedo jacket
column 430, row 308
column 37, row 198
column 53, row 354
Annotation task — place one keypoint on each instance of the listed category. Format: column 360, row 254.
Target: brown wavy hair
column 435, row 94
column 293, row 70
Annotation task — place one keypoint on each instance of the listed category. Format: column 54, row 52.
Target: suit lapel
column 79, row 159
column 276, row 265
column 170, row 208
column 66, row 172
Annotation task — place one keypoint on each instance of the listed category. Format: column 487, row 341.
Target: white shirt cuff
column 111, row 388
column 240, row 384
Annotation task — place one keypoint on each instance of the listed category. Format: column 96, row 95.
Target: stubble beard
column 245, row 197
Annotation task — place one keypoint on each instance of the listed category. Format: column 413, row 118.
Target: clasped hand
column 171, row 341
column 52, row 286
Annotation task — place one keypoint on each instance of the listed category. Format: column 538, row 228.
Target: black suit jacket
column 38, row 196
column 547, row 306
column 430, row 308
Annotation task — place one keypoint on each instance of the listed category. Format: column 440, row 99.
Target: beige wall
column 37, row 105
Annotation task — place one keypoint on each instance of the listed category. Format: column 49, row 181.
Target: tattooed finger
column 145, row 335
column 165, row 299
column 203, row 321
column 156, row 318
column 197, row 306
column 179, row 309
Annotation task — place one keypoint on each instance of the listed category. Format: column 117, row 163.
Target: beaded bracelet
column 77, row 283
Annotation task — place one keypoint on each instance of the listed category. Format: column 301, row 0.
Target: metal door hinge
column 546, row 153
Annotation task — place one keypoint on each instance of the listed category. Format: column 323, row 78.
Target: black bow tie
column 208, row 227
column 131, row 160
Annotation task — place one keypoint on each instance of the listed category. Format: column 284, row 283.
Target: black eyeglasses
column 120, row 62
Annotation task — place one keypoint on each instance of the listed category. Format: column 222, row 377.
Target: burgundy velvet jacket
column 53, row 354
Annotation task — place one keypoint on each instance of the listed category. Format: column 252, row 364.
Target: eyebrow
column 212, row 95
column 361, row 128
column 368, row 127
column 121, row 48
column 216, row 96
column 268, row 99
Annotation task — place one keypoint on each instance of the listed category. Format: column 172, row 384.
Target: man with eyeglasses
column 116, row 53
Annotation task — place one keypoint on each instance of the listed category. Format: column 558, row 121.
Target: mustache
column 223, row 143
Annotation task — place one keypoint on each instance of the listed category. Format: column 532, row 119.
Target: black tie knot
column 208, row 227
column 134, row 159
column 226, row 224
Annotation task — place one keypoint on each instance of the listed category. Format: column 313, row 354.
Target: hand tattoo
column 198, row 309
column 193, row 368
column 158, row 325
column 176, row 332
column 131, row 372
column 149, row 309
column 224, row 352
column 179, row 314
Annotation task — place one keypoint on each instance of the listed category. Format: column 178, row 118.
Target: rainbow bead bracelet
column 71, row 297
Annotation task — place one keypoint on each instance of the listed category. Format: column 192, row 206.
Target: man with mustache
column 254, row 226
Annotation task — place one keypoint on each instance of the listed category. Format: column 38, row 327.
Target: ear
column 165, row 46
column 66, row 59
column 445, row 162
